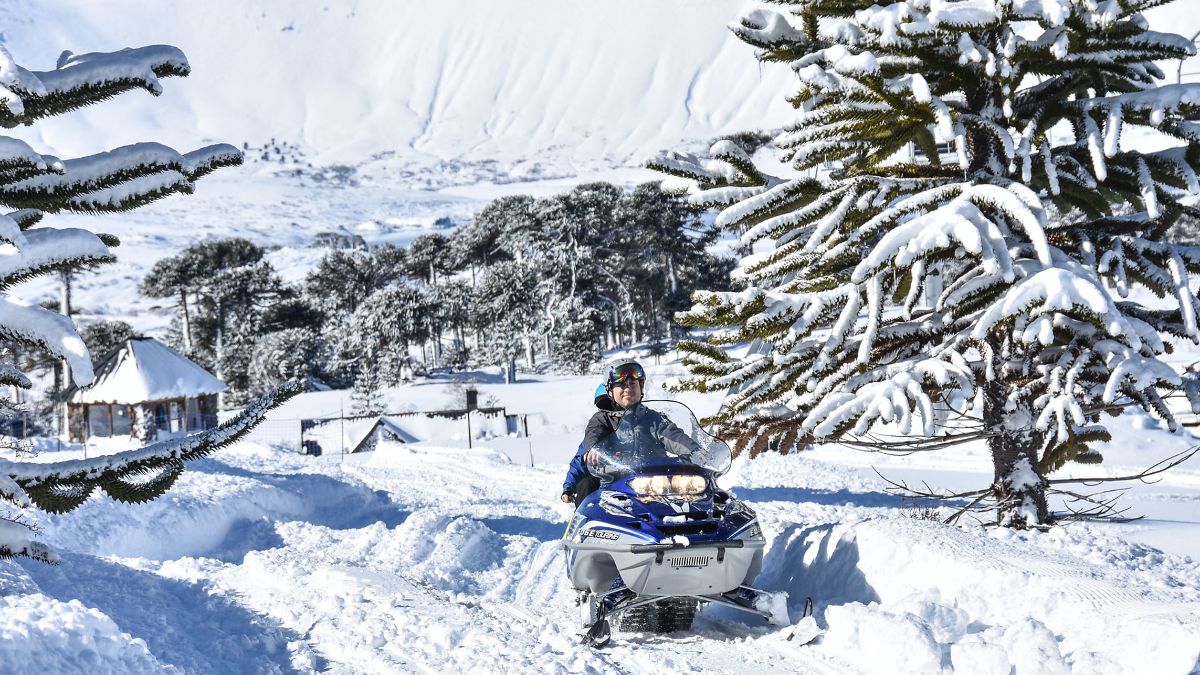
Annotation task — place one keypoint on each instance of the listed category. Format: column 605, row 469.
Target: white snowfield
column 530, row 85
column 424, row 558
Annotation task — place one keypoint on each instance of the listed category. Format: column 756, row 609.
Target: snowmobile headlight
column 668, row 486
column 688, row 485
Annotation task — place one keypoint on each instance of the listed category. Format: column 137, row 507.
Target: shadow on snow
column 183, row 623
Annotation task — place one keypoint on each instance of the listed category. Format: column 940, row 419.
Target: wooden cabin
column 145, row 390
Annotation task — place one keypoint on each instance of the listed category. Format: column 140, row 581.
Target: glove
column 567, row 498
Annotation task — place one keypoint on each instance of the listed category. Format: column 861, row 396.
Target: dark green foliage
column 343, row 279
column 428, row 258
column 101, row 337
column 292, row 313
column 110, row 181
column 959, row 234
column 137, row 475
column 161, row 60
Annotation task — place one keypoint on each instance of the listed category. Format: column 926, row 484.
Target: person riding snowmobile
column 620, row 398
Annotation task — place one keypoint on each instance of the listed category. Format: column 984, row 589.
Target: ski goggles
column 626, row 372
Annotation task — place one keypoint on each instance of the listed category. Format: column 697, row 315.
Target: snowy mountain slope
column 591, row 81
column 414, row 95
column 417, row 96
column 446, row 559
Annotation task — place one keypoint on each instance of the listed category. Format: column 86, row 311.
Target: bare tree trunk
column 187, row 321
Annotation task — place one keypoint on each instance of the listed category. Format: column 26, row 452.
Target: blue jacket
column 576, row 472
column 599, row 426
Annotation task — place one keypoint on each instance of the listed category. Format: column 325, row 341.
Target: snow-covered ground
column 437, row 558
column 430, row 557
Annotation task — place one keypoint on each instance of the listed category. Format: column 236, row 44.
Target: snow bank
column 923, row 596
column 43, row 635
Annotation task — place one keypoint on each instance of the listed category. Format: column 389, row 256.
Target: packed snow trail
column 418, row 559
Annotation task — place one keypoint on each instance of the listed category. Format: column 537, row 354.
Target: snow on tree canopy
column 945, row 216
column 144, row 369
column 31, row 185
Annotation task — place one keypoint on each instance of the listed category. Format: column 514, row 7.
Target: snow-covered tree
column 429, row 257
column 574, row 345
column 105, row 335
column 659, row 248
column 968, row 244
column 448, row 301
column 507, row 310
column 33, row 184
column 366, row 398
column 289, row 354
column 383, row 328
column 229, row 284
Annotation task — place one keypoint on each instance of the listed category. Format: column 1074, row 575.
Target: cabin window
column 176, row 417
column 122, row 424
column 194, row 421
column 160, row 417
column 99, row 421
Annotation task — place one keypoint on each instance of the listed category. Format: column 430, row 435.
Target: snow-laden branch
column 61, row 486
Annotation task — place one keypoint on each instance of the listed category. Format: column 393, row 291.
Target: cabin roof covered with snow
column 144, row 369
column 389, row 425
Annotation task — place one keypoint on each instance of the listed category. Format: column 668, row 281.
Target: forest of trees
column 528, row 283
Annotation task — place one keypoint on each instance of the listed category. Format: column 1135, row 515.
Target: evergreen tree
column 289, row 314
column 125, row 178
column 476, row 244
column 229, row 284
column 343, row 279
column 448, row 302
column 367, row 396
column 189, row 274
column 382, row 330
column 977, row 145
column 289, row 354
column 429, row 257
column 659, row 248
column 518, row 224
column 574, row 226
column 507, row 310
column 101, row 337
column 574, row 345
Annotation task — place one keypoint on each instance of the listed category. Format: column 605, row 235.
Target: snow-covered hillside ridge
column 347, row 81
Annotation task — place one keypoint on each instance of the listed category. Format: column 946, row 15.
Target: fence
column 350, row 433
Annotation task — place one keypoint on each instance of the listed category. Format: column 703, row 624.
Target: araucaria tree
column 31, row 185
column 966, row 248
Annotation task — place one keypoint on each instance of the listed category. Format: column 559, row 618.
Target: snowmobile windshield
column 658, row 435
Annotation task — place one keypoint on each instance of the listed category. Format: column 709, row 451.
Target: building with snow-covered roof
column 146, row 390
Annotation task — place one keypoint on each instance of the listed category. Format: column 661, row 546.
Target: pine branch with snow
column 33, row 184
column 133, row 476
column 961, row 233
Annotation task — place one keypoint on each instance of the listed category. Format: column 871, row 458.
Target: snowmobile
column 659, row 537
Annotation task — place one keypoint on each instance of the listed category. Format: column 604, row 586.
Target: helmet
column 624, row 369
column 600, row 395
